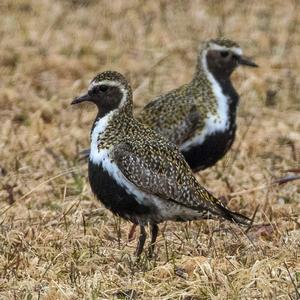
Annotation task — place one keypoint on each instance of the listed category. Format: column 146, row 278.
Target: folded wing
column 161, row 170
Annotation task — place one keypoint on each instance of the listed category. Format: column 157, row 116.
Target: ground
column 56, row 240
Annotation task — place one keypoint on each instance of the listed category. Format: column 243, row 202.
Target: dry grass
column 52, row 245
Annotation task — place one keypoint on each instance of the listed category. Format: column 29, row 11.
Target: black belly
column 210, row 151
column 115, row 197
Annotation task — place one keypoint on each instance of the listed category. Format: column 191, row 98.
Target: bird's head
column 109, row 90
column 222, row 56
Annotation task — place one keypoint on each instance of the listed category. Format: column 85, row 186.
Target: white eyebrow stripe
column 236, row 50
column 105, row 82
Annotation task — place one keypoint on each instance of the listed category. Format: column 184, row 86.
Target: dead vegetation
column 56, row 241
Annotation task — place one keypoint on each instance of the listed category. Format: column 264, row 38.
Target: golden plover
column 135, row 172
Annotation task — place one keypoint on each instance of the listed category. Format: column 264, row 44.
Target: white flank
column 214, row 123
column 99, row 128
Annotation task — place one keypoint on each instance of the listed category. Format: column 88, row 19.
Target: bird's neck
column 125, row 108
column 107, row 127
column 216, row 81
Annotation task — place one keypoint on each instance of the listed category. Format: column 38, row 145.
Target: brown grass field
column 56, row 240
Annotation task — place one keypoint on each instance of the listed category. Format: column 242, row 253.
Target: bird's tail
column 216, row 207
column 234, row 216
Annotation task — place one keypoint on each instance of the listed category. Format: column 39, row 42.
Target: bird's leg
column 141, row 242
column 154, row 232
column 131, row 233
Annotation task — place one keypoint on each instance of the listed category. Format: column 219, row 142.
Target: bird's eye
column 224, row 53
column 103, row 88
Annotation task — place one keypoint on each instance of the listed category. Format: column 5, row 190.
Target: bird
column 200, row 116
column 137, row 173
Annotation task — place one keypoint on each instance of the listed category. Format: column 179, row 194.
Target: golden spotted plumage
column 152, row 152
